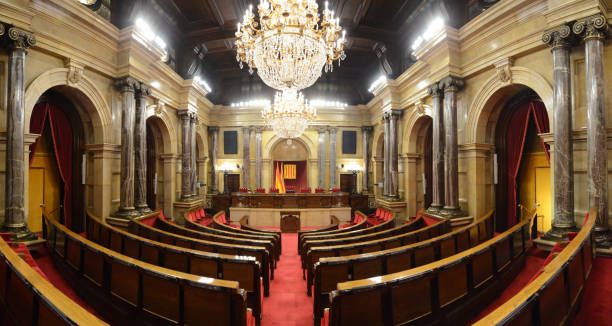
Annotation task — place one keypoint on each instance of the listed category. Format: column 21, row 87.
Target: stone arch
column 275, row 140
column 416, row 125
column 378, row 141
column 165, row 126
column 91, row 105
column 482, row 116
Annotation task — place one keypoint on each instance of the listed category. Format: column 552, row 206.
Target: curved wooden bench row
column 243, row 269
column 354, row 233
column 392, row 238
column 330, row 271
column 191, row 226
column 361, row 225
column 129, row 291
column 27, row 298
column 244, row 225
column 555, row 295
column 220, row 226
column 335, row 223
column 450, row 291
column 181, row 230
column 261, row 254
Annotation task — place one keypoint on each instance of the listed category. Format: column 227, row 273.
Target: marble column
column 563, row 219
column 19, row 41
column 322, row 143
column 333, row 169
column 140, row 149
column 127, row 86
column 246, row 157
column 185, row 116
column 213, row 149
column 437, row 175
column 394, row 115
column 258, row 157
column 386, row 157
column 365, row 140
column 594, row 30
column 194, row 154
column 451, row 86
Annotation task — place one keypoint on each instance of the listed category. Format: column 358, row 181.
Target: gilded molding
column 560, row 36
column 20, row 39
column 420, row 108
column 126, row 84
column 592, row 27
column 452, row 83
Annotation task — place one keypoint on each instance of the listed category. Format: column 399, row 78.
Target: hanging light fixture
column 289, row 115
column 289, row 46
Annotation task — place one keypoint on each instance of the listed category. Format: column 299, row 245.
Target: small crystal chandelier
column 290, row 114
column 290, row 46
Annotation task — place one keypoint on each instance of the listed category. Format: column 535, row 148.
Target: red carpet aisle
column 288, row 304
column 597, row 300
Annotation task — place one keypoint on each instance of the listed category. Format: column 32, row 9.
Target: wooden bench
column 325, row 236
column 333, row 225
column 220, row 226
column 261, row 254
column 388, row 239
column 177, row 229
column 27, row 298
column 330, row 271
column 244, row 225
column 128, row 291
column 243, row 269
column 358, row 226
column 194, row 226
column 554, row 296
column 450, row 291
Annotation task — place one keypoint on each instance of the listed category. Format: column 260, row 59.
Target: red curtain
column 300, row 180
column 61, row 132
column 515, row 142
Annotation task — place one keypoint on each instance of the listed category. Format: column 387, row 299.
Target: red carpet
column 288, row 304
column 533, row 261
column 597, row 300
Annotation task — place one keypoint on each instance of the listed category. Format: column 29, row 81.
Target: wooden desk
column 306, row 200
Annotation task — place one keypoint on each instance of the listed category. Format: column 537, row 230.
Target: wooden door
column 543, row 198
column 233, row 182
column 151, row 170
column 346, row 182
column 36, row 198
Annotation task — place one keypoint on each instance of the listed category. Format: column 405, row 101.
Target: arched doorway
column 522, row 160
column 425, row 162
column 155, row 165
column 292, row 153
column 56, row 180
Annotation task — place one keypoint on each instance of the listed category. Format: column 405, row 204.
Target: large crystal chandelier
column 289, row 46
column 289, row 115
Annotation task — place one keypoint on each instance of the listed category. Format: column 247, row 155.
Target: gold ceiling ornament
column 290, row 45
column 289, row 115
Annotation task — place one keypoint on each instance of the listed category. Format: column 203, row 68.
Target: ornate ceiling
column 200, row 34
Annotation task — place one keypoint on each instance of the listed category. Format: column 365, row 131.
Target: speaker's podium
column 309, row 209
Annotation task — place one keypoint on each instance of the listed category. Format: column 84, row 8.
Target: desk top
column 296, row 200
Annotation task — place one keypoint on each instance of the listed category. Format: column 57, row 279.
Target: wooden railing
column 405, row 234
column 129, row 291
column 243, row 269
column 261, row 254
column 333, row 225
column 447, row 292
column 554, row 296
column 357, row 226
column 328, row 272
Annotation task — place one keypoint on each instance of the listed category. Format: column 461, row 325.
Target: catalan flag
column 290, row 171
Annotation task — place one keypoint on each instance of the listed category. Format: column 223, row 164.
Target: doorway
column 347, row 182
column 151, row 169
column 233, row 182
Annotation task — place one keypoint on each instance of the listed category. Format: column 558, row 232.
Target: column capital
column 592, row 27
column 194, row 117
column 18, row 38
column 434, row 90
column 392, row 114
column 246, row 129
column 213, row 129
column 322, row 130
column 257, row 130
column 452, row 83
column 333, row 130
column 558, row 37
column 367, row 129
column 2, row 29
column 126, row 84
column 186, row 114
column 142, row 89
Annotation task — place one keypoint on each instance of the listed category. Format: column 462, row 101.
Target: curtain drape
column 515, row 142
column 61, row 134
column 300, row 180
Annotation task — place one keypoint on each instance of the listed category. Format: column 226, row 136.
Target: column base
column 452, row 212
column 559, row 233
column 143, row 209
column 126, row 213
column 434, row 209
column 19, row 233
column 391, row 197
column 603, row 238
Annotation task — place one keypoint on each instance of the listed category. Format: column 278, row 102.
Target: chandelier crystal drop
column 290, row 45
column 290, row 114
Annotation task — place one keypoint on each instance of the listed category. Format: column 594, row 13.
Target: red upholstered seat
column 250, row 318
column 325, row 320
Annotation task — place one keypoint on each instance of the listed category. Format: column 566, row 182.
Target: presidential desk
column 266, row 209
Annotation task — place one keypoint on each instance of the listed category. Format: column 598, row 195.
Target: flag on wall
column 279, row 182
column 290, row 171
